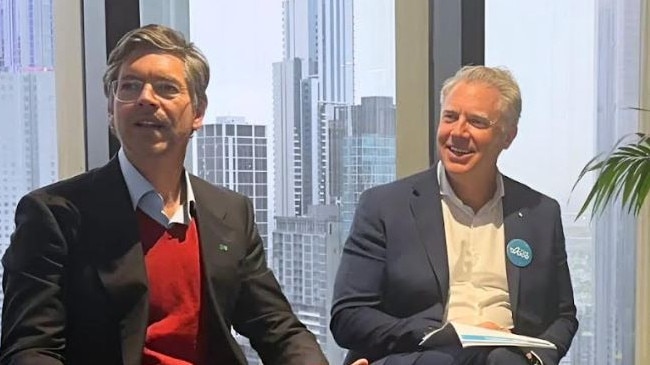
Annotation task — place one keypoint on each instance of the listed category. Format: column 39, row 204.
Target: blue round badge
column 519, row 252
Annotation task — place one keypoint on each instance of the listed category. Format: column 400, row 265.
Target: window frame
column 69, row 79
column 420, row 35
column 642, row 330
column 417, row 76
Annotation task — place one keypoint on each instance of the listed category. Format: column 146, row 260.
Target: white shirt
column 144, row 196
column 478, row 285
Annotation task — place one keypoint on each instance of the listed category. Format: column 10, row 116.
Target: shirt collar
column 144, row 196
column 446, row 190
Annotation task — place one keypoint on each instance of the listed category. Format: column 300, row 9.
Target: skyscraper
column 26, row 36
column 234, row 154
column 368, row 151
column 28, row 154
column 288, row 162
column 327, row 151
column 314, row 78
column 315, row 75
column 307, row 252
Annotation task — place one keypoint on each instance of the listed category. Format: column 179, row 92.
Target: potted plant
column 622, row 173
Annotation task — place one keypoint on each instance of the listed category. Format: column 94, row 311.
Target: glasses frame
column 160, row 96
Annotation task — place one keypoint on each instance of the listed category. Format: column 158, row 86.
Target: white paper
column 469, row 336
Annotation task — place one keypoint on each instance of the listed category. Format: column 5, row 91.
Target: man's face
column 155, row 116
column 470, row 133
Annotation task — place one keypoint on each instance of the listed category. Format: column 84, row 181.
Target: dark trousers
column 458, row 356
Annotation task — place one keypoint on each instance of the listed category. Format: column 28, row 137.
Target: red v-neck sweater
column 174, row 334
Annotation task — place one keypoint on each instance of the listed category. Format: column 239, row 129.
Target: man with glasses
column 139, row 262
column 457, row 243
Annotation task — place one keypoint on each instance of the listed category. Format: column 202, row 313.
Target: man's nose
column 147, row 95
column 459, row 128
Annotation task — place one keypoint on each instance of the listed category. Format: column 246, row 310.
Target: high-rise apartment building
column 28, row 153
column 234, row 154
column 288, row 162
column 315, row 75
column 365, row 140
column 314, row 78
column 359, row 141
column 327, row 151
column 26, row 36
column 307, row 251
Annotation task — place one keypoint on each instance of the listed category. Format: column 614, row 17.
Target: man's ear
column 111, row 124
column 199, row 113
column 109, row 111
column 509, row 136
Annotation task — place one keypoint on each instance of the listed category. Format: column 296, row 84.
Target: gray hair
column 166, row 40
column 498, row 78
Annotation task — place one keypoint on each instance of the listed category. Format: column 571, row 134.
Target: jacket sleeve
column 264, row 315
column 358, row 321
column 561, row 331
column 33, row 313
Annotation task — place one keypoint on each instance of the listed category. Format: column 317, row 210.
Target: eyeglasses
column 476, row 121
column 129, row 90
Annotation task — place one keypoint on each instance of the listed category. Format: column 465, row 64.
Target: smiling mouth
column 149, row 124
column 459, row 151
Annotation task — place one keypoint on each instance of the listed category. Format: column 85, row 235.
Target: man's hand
column 360, row 362
column 493, row 326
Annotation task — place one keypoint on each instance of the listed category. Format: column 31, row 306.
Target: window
column 28, row 142
column 245, row 178
column 260, row 177
column 287, row 102
column 260, row 151
column 244, row 130
column 245, row 151
column 245, row 164
column 568, row 58
column 245, row 140
column 260, row 132
column 261, row 203
column 260, row 190
column 260, row 164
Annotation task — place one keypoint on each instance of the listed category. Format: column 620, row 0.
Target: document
column 468, row 336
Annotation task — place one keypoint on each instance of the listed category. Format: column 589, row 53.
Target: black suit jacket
column 393, row 282
column 76, row 289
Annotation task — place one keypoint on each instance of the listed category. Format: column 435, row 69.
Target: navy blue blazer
column 392, row 285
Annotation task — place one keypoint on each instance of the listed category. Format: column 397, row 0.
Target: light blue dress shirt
column 144, row 196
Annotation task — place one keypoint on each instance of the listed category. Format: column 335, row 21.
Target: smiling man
column 459, row 242
column 139, row 262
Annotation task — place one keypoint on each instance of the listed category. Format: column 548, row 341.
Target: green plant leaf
column 622, row 173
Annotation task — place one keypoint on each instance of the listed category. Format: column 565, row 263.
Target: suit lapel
column 215, row 241
column 514, row 219
column 427, row 212
column 426, row 208
column 119, row 259
column 218, row 261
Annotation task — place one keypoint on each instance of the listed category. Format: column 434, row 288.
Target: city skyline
column 241, row 79
column 557, row 117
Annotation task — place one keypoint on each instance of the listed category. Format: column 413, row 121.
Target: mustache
column 152, row 118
